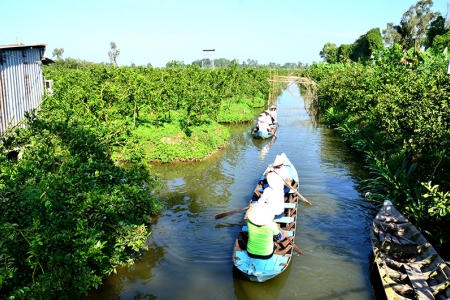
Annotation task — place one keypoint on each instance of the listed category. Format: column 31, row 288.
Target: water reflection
column 264, row 146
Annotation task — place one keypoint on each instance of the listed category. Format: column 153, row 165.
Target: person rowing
column 273, row 195
column 273, row 114
column 282, row 171
column 261, row 232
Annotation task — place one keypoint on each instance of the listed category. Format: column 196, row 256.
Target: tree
column 367, row 45
column 437, row 28
column 442, row 41
column 113, row 54
column 58, row 53
column 329, row 53
column 175, row 64
column 390, row 35
column 415, row 23
column 344, row 52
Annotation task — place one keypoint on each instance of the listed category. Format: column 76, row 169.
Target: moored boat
column 409, row 267
column 260, row 270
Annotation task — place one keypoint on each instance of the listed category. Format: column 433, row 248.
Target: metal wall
column 21, row 83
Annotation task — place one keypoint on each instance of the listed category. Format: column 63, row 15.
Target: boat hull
column 264, row 135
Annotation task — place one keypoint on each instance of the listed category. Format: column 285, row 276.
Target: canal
column 190, row 252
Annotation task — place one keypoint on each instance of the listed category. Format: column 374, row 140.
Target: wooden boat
column 264, row 135
column 260, row 270
column 408, row 265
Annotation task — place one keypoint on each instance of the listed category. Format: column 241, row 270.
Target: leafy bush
column 69, row 214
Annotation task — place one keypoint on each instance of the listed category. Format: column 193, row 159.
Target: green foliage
column 116, row 100
column 344, row 52
column 168, row 142
column 367, row 45
column 439, row 208
column 437, row 28
column 329, row 53
column 442, row 41
column 235, row 112
column 399, row 117
column 69, row 214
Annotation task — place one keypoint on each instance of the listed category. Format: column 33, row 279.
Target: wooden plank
column 419, row 284
column 290, row 205
column 286, row 220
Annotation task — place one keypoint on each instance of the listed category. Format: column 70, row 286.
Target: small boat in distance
column 260, row 270
column 409, row 267
column 258, row 134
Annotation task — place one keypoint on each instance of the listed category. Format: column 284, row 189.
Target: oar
column 291, row 241
column 220, row 216
column 289, row 186
column 296, row 248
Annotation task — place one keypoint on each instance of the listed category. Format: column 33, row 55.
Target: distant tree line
column 173, row 64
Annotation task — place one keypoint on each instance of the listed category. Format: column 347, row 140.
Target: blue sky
column 158, row 31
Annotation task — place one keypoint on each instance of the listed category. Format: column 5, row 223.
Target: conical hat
column 260, row 214
column 275, row 181
column 278, row 160
column 273, row 106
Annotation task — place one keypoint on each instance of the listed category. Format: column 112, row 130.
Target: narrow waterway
column 190, row 252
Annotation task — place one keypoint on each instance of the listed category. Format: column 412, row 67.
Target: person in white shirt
column 262, row 124
column 268, row 117
column 282, row 171
column 274, row 195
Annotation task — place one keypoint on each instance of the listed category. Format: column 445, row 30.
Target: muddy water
column 190, row 251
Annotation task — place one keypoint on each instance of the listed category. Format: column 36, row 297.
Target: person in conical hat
column 261, row 231
column 273, row 113
column 273, row 195
column 275, row 182
column 279, row 161
column 281, row 170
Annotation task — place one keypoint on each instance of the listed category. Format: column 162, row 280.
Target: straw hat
column 278, row 160
column 275, row 181
column 260, row 214
column 273, row 106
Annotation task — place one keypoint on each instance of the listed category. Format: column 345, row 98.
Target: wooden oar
column 296, row 248
column 289, row 186
column 220, row 216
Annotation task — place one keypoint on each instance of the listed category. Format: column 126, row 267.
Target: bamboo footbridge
column 311, row 86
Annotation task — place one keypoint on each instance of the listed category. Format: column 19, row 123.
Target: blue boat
column 260, row 270
column 264, row 135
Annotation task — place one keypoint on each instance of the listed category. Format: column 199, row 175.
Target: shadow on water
column 190, row 256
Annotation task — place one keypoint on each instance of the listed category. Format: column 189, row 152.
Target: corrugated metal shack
column 21, row 81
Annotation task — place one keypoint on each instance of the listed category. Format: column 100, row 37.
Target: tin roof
column 22, row 46
column 45, row 60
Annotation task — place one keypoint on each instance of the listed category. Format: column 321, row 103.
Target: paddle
column 296, row 248
column 289, row 186
column 220, row 216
